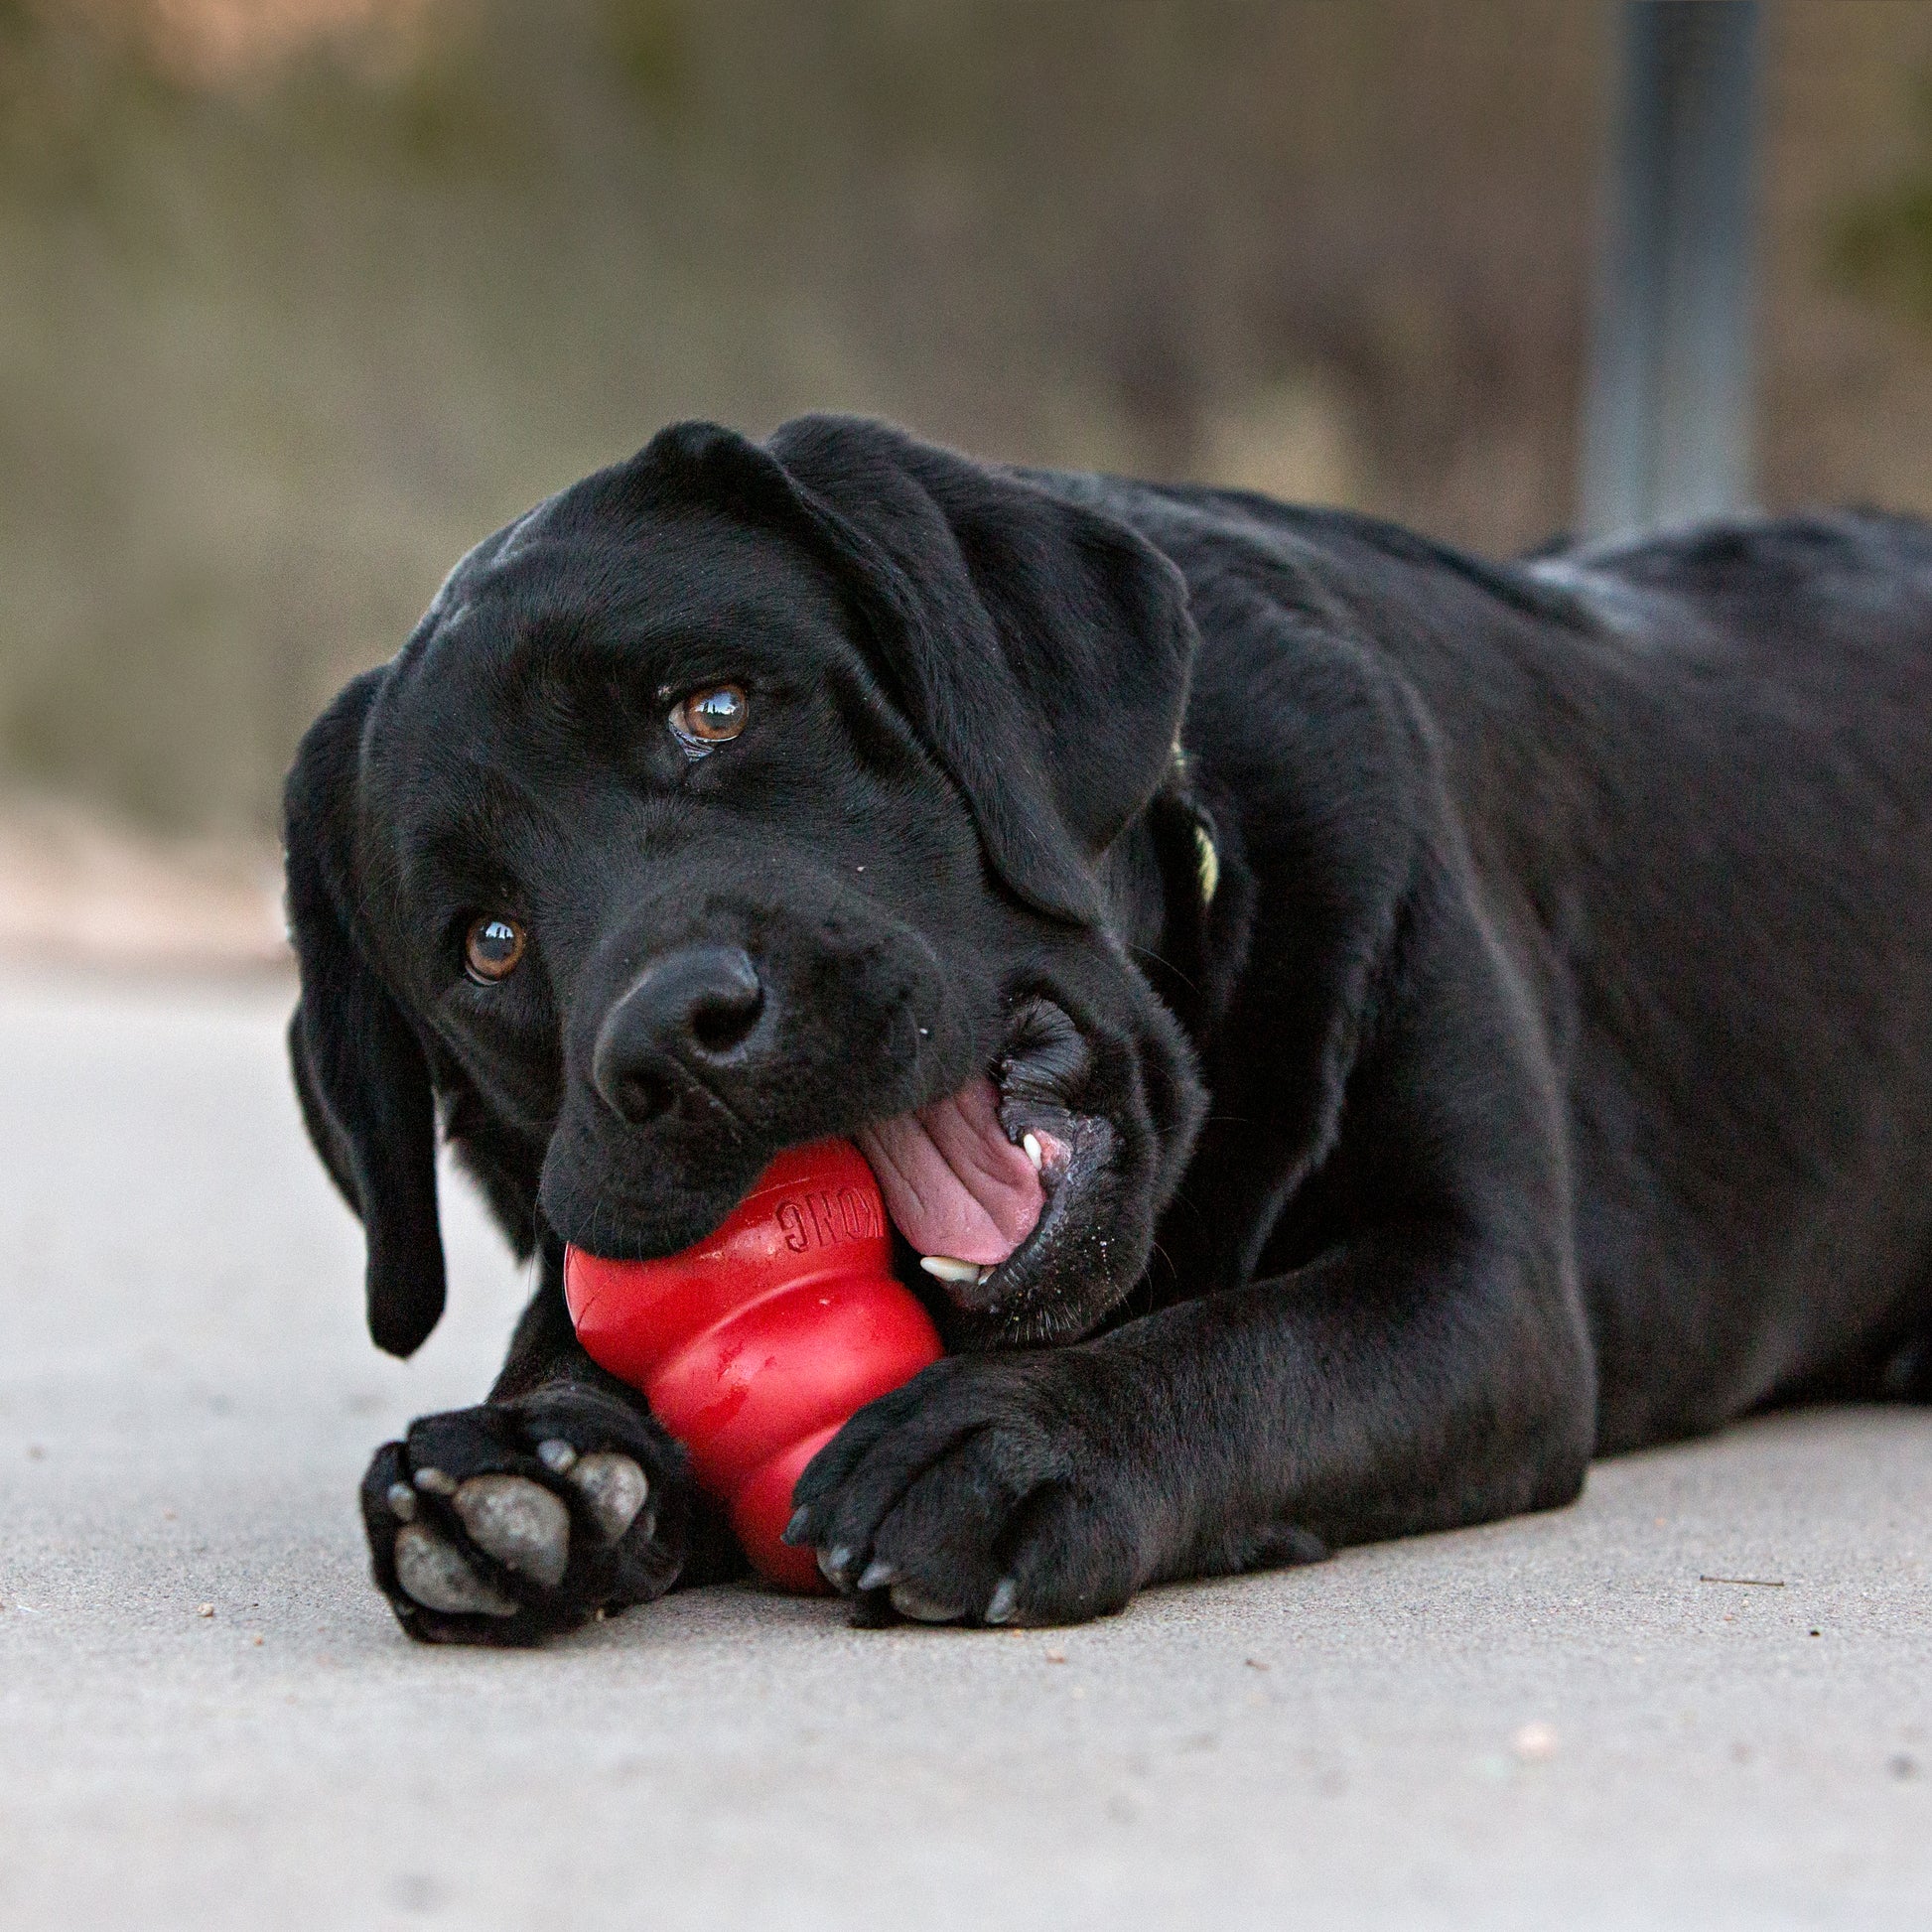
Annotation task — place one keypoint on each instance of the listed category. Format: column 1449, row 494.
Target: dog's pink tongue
column 954, row 1184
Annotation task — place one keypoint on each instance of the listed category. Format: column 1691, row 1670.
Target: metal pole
column 1667, row 426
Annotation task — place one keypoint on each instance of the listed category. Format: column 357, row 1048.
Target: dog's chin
column 615, row 1227
column 623, row 1205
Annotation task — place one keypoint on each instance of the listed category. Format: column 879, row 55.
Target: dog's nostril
column 704, row 1000
column 696, row 1004
column 722, row 1020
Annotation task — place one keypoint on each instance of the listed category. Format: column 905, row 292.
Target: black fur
column 1548, row 1071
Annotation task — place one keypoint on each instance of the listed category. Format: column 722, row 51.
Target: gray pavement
column 1546, row 1722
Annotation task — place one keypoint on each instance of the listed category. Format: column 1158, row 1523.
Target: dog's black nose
column 695, row 1007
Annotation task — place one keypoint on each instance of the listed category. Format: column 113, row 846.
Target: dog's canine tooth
column 1029, row 1142
column 946, row 1269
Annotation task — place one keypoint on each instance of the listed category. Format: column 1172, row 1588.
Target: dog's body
column 1499, row 1033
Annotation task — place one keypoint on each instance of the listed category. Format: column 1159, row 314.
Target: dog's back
column 1752, row 1087
column 1694, row 775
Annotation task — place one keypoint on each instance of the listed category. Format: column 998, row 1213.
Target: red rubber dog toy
column 755, row 1345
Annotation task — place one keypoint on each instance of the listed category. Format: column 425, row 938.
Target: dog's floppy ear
column 359, row 1071
column 1039, row 649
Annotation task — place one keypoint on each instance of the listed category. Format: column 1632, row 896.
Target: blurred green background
column 300, row 297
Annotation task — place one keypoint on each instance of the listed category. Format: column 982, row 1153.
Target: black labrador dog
column 1351, row 1031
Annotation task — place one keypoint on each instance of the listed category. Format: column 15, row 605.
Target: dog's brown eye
column 710, row 717
column 492, row 950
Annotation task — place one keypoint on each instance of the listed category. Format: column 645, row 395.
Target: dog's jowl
column 1352, row 1030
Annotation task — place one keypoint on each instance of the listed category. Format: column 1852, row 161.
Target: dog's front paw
column 506, row 1523
column 987, row 1490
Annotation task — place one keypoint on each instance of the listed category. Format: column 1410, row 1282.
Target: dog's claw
column 878, row 1574
column 794, row 1531
column 556, row 1455
column 435, row 1482
column 1004, row 1599
column 402, row 1502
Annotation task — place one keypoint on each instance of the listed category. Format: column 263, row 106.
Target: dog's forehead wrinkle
column 690, row 558
column 556, row 678
column 474, row 822
column 567, row 569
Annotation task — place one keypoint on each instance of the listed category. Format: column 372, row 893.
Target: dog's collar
column 1209, row 862
column 1207, row 857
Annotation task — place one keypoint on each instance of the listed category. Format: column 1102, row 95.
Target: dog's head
column 737, row 796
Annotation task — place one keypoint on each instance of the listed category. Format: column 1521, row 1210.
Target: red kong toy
column 755, row 1345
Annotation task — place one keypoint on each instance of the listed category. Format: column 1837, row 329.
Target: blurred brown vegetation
column 298, row 299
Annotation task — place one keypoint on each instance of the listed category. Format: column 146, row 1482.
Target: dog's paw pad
column 519, row 1523
column 613, row 1486
column 438, row 1579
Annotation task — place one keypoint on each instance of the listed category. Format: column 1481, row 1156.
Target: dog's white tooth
column 949, row 1270
column 985, row 1274
column 1031, row 1143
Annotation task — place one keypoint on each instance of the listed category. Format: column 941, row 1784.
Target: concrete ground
column 1564, row 1722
